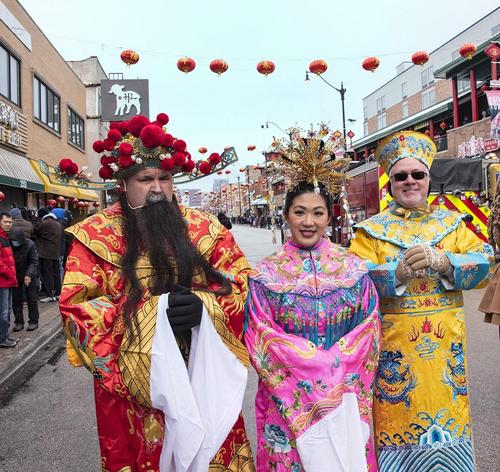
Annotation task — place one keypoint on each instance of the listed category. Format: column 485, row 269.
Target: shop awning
column 259, row 201
column 16, row 171
column 86, row 194
column 49, row 187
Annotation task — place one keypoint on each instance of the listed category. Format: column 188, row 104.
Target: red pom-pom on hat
column 108, row 144
column 115, row 125
column 123, row 127
column 65, row 164
column 168, row 140
column 136, row 124
column 98, row 146
column 125, row 149
column 188, row 155
column 162, row 118
column 179, row 158
column 179, row 145
column 188, row 166
column 151, row 136
column 205, row 167
column 156, row 123
column 105, row 172
column 125, row 161
column 214, row 158
column 115, row 135
column 167, row 164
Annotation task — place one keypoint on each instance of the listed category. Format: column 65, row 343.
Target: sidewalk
column 29, row 343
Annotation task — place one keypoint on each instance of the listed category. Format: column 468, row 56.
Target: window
column 381, row 121
column 404, row 90
column 495, row 30
column 10, row 72
column 463, row 84
column 428, row 98
column 76, row 129
column 46, row 105
column 380, row 104
column 428, row 77
column 365, row 128
column 365, row 112
column 455, row 55
column 404, row 109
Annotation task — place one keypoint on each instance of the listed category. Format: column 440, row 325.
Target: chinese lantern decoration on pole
column 186, row 64
column 350, row 135
column 318, row 66
column 370, row 63
column 251, row 147
column 129, row 57
column 202, row 150
column 419, row 58
column 219, row 66
column 265, row 67
column 467, row 50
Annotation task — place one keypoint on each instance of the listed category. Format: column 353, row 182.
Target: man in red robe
column 121, row 262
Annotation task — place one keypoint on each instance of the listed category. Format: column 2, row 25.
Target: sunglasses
column 416, row 175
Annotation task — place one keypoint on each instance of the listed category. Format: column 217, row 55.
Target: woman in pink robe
column 313, row 332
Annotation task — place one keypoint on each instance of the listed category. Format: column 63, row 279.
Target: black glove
column 184, row 311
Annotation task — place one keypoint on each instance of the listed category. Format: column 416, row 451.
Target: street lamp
column 340, row 90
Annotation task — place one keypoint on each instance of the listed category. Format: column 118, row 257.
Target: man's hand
column 404, row 272
column 421, row 257
column 27, row 280
column 184, row 311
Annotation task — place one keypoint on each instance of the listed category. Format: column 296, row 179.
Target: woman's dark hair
column 306, row 187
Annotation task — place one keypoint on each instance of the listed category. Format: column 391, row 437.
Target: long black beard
column 159, row 232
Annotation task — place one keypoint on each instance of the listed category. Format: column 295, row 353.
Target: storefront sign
column 9, row 137
column 491, row 144
column 8, row 116
column 474, row 147
column 494, row 104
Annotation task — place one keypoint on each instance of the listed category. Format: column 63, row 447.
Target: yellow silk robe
column 421, row 407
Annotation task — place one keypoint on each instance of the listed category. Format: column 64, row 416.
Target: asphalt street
column 49, row 424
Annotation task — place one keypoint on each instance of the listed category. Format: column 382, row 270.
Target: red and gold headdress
column 314, row 157
column 138, row 144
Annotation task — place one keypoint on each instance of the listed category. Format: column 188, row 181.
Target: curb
column 25, row 361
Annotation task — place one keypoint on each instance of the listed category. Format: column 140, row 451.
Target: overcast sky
column 207, row 110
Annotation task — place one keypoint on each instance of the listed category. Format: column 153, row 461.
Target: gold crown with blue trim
column 402, row 145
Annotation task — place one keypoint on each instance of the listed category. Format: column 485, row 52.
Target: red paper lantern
column 202, row 150
column 2, row 196
column 52, row 203
column 228, row 171
column 80, row 204
column 370, row 63
column 219, row 66
column 265, row 67
column 242, row 169
column 186, row 64
column 96, row 204
column 318, row 66
column 251, row 147
column 442, row 125
column 467, row 50
column 61, row 199
column 419, row 58
column 73, row 201
column 219, row 172
column 129, row 57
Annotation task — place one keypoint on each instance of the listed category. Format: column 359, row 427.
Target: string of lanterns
column 267, row 67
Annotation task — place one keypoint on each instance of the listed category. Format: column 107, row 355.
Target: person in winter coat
column 26, row 259
column 7, row 280
column 19, row 222
column 48, row 244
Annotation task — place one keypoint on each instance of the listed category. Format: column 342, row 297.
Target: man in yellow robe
column 420, row 258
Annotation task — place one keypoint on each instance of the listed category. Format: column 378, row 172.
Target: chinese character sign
column 121, row 100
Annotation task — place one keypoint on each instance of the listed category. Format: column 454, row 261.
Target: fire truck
column 463, row 185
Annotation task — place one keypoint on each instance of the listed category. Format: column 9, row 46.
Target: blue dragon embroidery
column 395, row 376
column 455, row 371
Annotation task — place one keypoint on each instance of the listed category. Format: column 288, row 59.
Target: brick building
column 42, row 112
